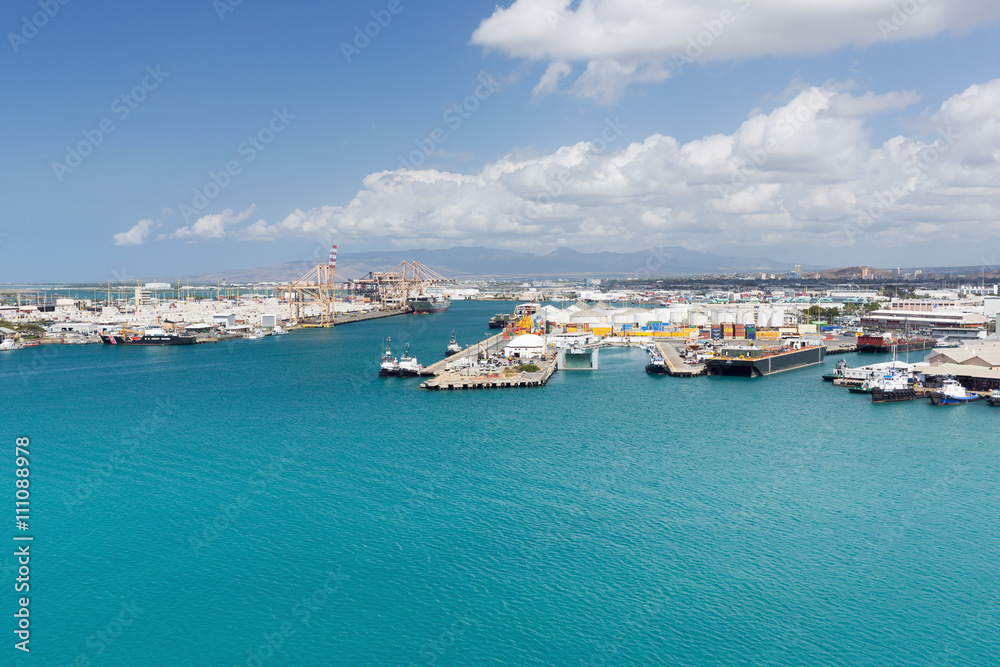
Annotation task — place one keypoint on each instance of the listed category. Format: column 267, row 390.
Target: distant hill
column 851, row 273
column 471, row 262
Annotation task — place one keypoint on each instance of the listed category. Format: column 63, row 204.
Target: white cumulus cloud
column 619, row 42
column 805, row 173
column 137, row 235
column 211, row 226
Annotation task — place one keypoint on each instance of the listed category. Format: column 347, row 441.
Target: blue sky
column 517, row 171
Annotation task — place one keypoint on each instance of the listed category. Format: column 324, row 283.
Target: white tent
column 525, row 347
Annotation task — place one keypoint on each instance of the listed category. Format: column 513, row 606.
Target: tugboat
column 952, row 393
column 656, row 365
column 838, row 371
column 389, row 366
column 994, row 398
column 453, row 346
column 894, row 388
column 408, row 366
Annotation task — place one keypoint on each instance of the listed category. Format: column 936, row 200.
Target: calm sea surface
column 274, row 502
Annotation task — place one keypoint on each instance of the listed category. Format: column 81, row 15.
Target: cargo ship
column 500, row 320
column 886, row 344
column 423, row 303
column 760, row 361
column 148, row 337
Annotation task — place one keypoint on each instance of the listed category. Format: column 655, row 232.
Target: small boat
column 838, row 371
column 994, row 398
column 389, row 365
column 278, row 331
column 894, row 388
column 656, row 365
column 255, row 335
column 9, row 344
column 453, row 346
column 952, row 393
column 408, row 366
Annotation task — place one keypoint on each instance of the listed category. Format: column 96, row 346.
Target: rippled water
column 278, row 491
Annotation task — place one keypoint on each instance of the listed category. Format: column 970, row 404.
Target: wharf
column 491, row 345
column 347, row 318
column 455, row 380
column 675, row 365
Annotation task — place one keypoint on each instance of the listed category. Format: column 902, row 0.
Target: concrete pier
column 675, row 365
column 489, row 346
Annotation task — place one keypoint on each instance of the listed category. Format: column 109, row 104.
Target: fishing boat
column 952, row 393
column 408, row 366
column 453, row 346
column 389, row 365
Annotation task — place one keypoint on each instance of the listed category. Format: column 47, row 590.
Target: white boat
column 860, row 373
column 9, row 344
column 255, row 335
column 389, row 365
column 453, row 346
column 408, row 366
column 952, row 393
column 278, row 331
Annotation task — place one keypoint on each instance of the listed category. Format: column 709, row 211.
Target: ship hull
column 941, row 399
column 656, row 369
column 767, row 365
column 893, row 396
column 889, row 348
column 118, row 339
column 425, row 306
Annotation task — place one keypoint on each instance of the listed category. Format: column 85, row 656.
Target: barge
column 758, row 361
column 887, row 344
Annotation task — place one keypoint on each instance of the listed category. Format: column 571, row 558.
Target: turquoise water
column 277, row 490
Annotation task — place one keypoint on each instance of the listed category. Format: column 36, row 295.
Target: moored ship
column 759, row 361
column 424, row 303
column 886, row 344
column 500, row 320
column 148, row 337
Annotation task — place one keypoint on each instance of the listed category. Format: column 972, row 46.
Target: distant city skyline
column 205, row 136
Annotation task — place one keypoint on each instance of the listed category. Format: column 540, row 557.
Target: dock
column 347, row 318
column 675, row 365
column 489, row 346
column 455, row 380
